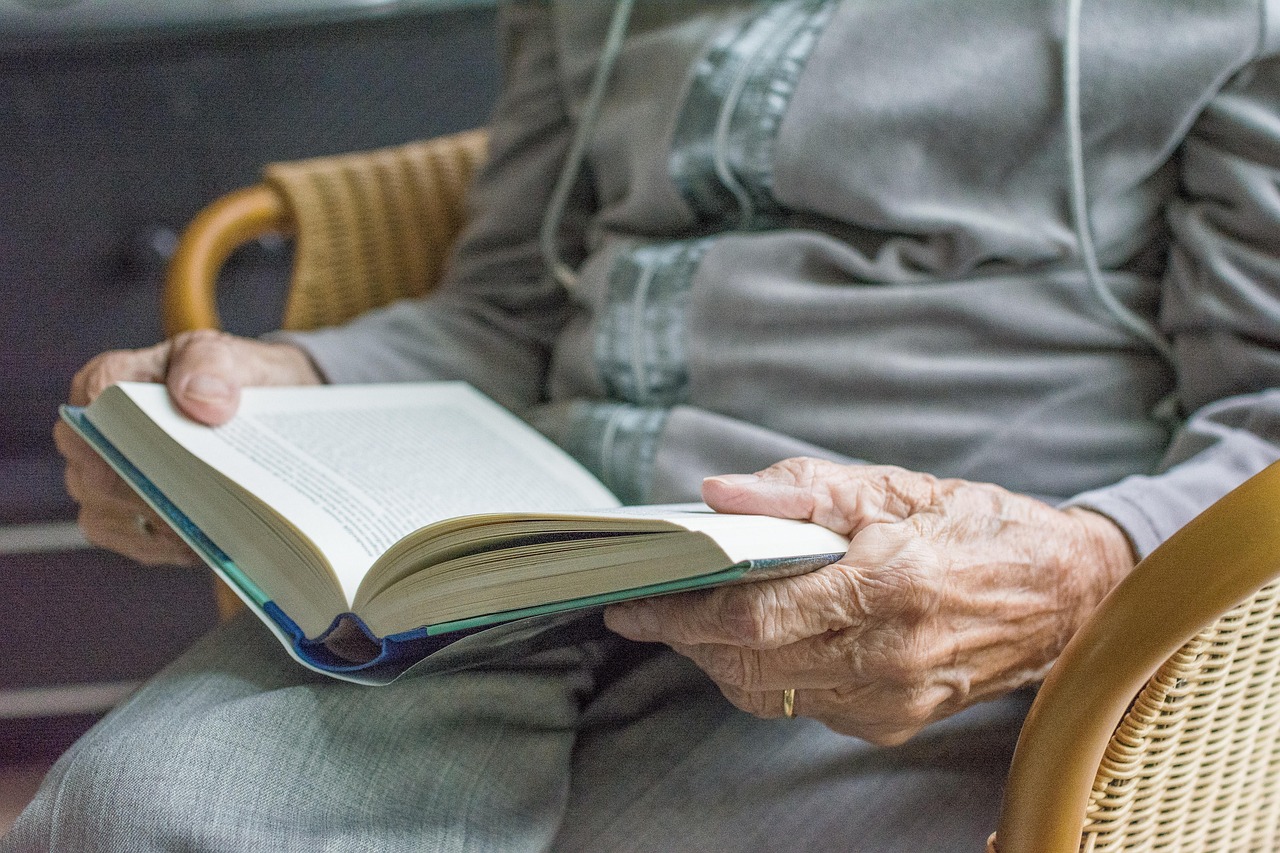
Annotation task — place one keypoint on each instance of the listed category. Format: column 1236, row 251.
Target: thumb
column 776, row 491
column 843, row 498
column 202, row 376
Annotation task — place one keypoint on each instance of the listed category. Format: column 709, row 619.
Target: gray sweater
column 853, row 230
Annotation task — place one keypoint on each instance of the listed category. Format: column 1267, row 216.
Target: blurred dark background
column 118, row 121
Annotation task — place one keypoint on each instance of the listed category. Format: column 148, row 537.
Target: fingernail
column 735, row 479
column 208, row 389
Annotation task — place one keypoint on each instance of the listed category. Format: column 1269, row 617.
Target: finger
column 204, row 376
column 110, row 509
column 844, row 498
column 881, row 719
column 823, row 662
column 762, row 615
column 71, row 446
column 815, row 704
column 142, row 365
column 88, row 478
column 94, row 482
column 121, row 532
column 766, row 705
column 771, row 704
column 165, row 545
column 93, row 487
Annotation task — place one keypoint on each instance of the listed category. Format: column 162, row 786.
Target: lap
column 691, row 773
column 596, row 745
column 236, row 747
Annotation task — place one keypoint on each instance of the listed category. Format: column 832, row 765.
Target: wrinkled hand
column 204, row 372
column 951, row 593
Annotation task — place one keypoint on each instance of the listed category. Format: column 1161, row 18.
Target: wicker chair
column 368, row 228
column 1158, row 729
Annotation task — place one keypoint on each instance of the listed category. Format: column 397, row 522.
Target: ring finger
column 135, row 531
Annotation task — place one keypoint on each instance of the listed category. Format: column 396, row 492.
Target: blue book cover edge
column 383, row 658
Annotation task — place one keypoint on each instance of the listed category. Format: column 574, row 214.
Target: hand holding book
column 204, row 372
column 951, row 593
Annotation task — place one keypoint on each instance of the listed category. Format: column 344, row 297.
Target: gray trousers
column 595, row 745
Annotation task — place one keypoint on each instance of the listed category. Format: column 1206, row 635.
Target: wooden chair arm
column 369, row 227
column 1221, row 558
column 190, row 292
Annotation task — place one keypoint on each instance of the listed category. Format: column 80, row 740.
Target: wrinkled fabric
column 843, row 229
column 600, row 745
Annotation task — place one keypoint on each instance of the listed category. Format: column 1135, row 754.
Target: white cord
column 547, row 237
column 1079, row 195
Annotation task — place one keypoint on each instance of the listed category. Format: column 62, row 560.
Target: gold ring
column 789, row 703
column 144, row 525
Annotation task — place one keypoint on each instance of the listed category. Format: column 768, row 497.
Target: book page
column 355, row 468
column 740, row 537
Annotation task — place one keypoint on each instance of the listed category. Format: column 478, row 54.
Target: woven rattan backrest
column 373, row 227
column 1193, row 764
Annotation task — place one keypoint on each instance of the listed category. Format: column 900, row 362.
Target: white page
column 356, row 467
column 742, row 537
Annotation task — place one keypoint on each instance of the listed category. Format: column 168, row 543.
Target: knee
column 112, row 791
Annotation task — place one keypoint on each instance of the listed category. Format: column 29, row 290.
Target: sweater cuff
column 1150, row 509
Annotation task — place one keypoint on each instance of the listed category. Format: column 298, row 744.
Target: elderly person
column 993, row 288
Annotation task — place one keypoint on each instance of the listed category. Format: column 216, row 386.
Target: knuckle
column 94, row 527
column 905, row 672
column 97, row 375
column 917, row 711
column 912, row 665
column 894, row 662
column 754, row 703
column 198, row 344
column 746, row 617
column 732, row 666
column 199, row 337
column 907, row 492
column 759, row 706
column 104, row 369
column 904, row 590
column 806, row 472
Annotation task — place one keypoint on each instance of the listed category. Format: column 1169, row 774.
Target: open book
column 368, row 525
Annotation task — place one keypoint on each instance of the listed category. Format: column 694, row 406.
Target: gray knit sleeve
column 1221, row 310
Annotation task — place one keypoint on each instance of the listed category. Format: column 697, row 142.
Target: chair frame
column 1221, row 558
column 189, row 300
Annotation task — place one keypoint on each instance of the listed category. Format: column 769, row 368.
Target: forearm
column 1219, row 448
column 431, row 339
